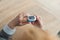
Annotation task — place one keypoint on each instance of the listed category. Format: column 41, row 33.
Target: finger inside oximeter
column 31, row 18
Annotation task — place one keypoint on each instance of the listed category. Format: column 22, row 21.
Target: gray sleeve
column 6, row 32
column 3, row 35
column 2, row 38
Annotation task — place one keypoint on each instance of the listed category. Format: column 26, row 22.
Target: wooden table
column 11, row 8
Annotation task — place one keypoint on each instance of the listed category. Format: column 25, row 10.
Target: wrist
column 11, row 26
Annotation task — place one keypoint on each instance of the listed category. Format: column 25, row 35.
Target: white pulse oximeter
column 31, row 18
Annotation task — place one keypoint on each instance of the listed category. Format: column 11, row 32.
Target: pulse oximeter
column 31, row 18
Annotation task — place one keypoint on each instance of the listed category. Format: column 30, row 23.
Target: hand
column 18, row 20
column 21, row 20
column 14, row 22
column 38, row 22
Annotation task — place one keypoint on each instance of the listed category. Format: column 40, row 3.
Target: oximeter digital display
column 31, row 18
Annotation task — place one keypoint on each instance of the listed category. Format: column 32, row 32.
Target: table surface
column 11, row 8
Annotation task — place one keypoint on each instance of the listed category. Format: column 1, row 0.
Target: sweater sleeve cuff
column 8, row 30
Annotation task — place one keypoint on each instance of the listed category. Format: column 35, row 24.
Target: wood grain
column 11, row 8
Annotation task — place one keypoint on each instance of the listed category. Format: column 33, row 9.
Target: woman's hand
column 19, row 20
column 38, row 22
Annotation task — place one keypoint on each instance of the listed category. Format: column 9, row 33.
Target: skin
column 30, row 32
column 18, row 20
